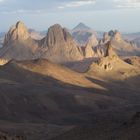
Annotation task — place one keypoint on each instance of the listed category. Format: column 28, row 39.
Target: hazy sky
column 123, row 15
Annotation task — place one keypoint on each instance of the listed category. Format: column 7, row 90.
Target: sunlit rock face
column 122, row 47
column 61, row 45
column 18, row 44
column 92, row 42
column 19, row 32
column 110, row 61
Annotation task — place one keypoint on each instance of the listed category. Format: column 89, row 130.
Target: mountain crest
column 61, row 45
column 16, row 32
column 81, row 26
column 110, row 50
column 92, row 42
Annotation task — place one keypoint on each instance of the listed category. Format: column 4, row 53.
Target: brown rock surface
column 92, row 42
column 61, row 46
column 17, row 32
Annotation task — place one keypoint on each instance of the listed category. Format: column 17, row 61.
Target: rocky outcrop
column 89, row 49
column 110, row 51
column 61, row 45
column 6, row 136
column 106, row 38
column 3, row 62
column 134, row 60
column 110, row 61
column 122, row 46
column 19, row 32
column 58, row 45
column 19, row 45
column 110, row 56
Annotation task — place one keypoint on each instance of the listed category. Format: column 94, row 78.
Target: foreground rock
column 110, row 61
column 6, row 136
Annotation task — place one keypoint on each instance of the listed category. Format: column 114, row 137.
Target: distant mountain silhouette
column 81, row 26
column 82, row 33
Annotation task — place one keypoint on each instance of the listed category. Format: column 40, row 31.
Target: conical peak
column 81, row 26
column 17, row 32
column 57, row 35
column 22, row 30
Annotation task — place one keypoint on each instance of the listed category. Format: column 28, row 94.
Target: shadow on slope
column 27, row 97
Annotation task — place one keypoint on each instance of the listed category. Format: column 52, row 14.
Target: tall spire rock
column 18, row 44
column 106, row 37
column 55, row 36
column 92, row 42
column 19, row 32
column 122, row 46
column 61, row 45
column 110, row 51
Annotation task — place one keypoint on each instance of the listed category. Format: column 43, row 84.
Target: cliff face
column 18, row 44
column 92, row 42
column 61, row 46
column 58, row 45
column 122, row 46
column 19, row 32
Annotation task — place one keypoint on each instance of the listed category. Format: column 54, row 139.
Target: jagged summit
column 112, row 35
column 92, row 42
column 16, row 32
column 110, row 61
column 61, row 45
column 122, row 46
column 57, row 35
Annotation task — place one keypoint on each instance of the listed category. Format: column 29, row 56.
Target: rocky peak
column 61, row 45
column 106, row 37
column 16, row 32
column 92, row 42
column 81, row 26
column 117, row 36
column 57, row 35
column 112, row 35
column 110, row 50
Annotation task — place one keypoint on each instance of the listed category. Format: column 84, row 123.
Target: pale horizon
column 100, row 15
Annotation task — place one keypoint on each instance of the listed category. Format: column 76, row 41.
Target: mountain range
column 59, row 46
column 58, row 86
